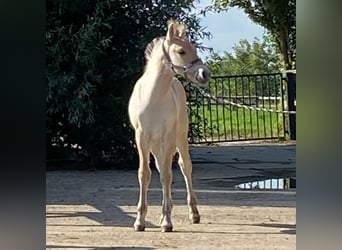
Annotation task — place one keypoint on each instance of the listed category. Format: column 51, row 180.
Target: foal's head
column 181, row 55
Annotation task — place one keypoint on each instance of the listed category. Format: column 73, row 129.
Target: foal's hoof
column 165, row 229
column 139, row 228
column 195, row 218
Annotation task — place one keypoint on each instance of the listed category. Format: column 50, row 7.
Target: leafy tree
column 277, row 16
column 259, row 57
column 256, row 58
column 95, row 53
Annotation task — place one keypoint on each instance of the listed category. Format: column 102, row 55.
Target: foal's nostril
column 206, row 76
column 202, row 75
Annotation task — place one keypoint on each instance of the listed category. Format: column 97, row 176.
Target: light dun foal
column 158, row 113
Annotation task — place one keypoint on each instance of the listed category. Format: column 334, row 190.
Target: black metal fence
column 241, row 107
column 291, row 100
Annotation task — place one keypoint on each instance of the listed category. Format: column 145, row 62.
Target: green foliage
column 95, row 53
column 277, row 16
column 256, row 58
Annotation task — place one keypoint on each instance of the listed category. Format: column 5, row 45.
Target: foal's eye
column 181, row 52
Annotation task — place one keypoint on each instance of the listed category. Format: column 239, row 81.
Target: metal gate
column 240, row 107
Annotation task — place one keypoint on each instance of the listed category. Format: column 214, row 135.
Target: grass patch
column 224, row 122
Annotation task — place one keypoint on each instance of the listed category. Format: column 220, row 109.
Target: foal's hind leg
column 186, row 168
column 144, row 175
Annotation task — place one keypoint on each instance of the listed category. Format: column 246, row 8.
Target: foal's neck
column 160, row 75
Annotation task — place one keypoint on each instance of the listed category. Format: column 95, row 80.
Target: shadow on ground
column 95, row 248
column 216, row 171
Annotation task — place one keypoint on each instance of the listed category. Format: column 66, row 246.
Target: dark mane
column 150, row 46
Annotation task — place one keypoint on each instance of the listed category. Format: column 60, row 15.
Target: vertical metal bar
column 193, row 109
column 224, row 110
column 269, row 104
column 243, row 102
column 210, row 118
column 198, row 117
column 230, row 109
column 275, row 79
column 250, row 103
column 258, row 100
column 204, row 117
column 237, row 110
column 190, row 117
column 282, row 94
column 217, row 112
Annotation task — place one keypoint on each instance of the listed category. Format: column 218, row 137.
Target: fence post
column 291, row 101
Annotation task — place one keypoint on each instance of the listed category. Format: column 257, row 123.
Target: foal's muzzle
column 202, row 74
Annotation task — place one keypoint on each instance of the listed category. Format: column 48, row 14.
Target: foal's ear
column 171, row 31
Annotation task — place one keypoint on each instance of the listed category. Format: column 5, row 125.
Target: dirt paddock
column 96, row 210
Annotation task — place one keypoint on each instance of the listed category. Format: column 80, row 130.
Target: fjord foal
column 158, row 113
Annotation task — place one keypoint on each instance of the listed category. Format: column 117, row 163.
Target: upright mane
column 151, row 46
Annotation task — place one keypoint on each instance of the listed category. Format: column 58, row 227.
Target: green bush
column 94, row 54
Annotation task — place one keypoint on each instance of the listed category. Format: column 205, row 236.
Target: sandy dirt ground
column 96, row 210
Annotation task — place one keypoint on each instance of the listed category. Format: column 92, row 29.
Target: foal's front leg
column 186, row 168
column 144, row 176
column 144, row 181
column 166, row 180
column 163, row 161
